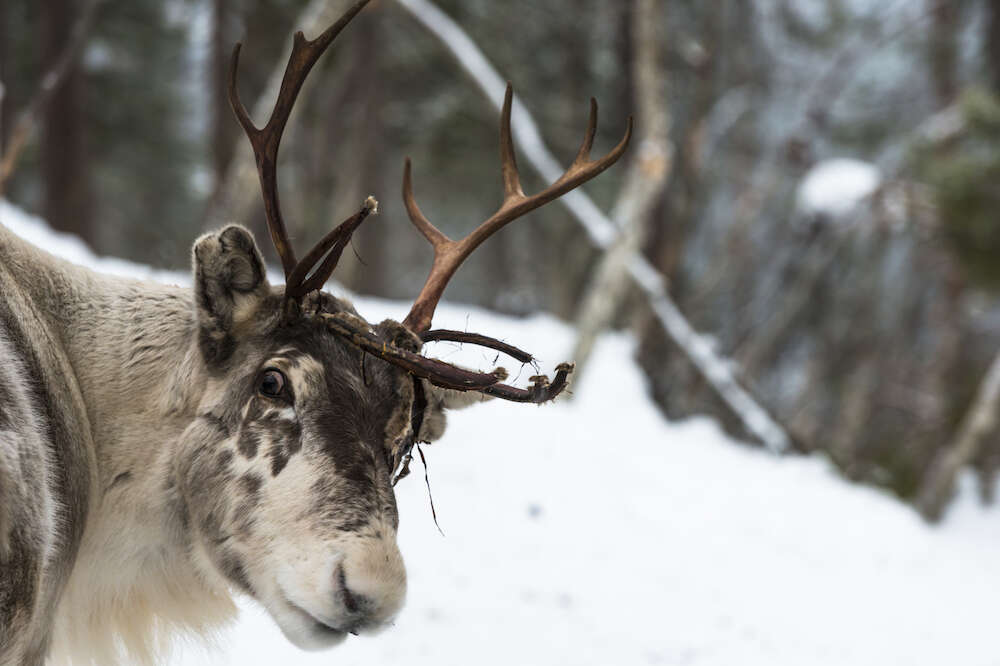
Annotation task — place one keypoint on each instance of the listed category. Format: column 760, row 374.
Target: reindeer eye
column 271, row 383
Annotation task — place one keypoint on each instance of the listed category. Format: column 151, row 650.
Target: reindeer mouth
column 325, row 628
column 320, row 624
column 306, row 629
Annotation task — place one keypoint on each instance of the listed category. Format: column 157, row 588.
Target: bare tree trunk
column 854, row 415
column 5, row 72
column 717, row 371
column 362, row 100
column 222, row 127
column 988, row 470
column 943, row 51
column 992, row 42
column 67, row 192
column 644, row 184
column 979, row 421
column 792, row 301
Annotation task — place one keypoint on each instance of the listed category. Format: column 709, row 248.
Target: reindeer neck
column 131, row 345
column 134, row 357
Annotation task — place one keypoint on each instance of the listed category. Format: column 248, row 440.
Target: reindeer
column 163, row 448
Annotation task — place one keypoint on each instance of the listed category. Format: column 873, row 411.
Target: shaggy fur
column 144, row 476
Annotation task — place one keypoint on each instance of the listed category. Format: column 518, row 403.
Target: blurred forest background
column 818, row 182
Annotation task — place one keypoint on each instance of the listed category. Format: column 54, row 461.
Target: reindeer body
column 132, row 501
column 101, row 376
column 161, row 447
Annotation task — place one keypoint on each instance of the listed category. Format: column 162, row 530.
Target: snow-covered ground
column 593, row 531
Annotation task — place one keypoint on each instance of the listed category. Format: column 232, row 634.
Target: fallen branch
column 602, row 231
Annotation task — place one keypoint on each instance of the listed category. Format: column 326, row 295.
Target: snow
column 834, row 187
column 71, row 248
column 593, row 531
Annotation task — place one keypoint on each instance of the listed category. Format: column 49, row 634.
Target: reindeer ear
column 439, row 401
column 230, row 284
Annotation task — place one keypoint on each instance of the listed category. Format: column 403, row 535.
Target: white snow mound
column 834, row 187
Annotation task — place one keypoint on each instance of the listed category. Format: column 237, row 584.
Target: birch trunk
column 644, row 183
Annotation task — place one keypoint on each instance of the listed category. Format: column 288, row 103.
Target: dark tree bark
column 943, row 52
column 6, row 107
column 625, row 47
column 363, row 99
column 67, row 204
column 223, row 129
column 992, row 42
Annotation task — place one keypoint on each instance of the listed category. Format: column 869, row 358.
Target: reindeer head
column 310, row 412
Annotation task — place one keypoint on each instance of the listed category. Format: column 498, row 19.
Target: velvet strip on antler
column 442, row 335
column 436, row 372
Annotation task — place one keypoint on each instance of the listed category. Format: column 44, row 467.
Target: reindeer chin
column 301, row 628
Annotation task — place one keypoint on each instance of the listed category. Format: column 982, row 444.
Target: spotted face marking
column 248, row 443
column 270, row 421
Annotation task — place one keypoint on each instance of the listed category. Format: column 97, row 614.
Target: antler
column 304, row 276
column 265, row 143
column 449, row 254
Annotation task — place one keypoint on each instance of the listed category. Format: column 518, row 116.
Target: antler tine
column 443, row 334
column 300, row 282
column 449, row 254
column 423, row 225
column 265, row 140
column 266, row 172
column 508, row 160
column 588, row 138
column 541, row 390
column 437, row 372
column 446, row 375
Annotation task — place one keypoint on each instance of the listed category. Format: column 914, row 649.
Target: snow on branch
column 602, row 231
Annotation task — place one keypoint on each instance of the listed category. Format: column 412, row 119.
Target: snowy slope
column 596, row 532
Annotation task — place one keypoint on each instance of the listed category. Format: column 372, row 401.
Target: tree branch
column 979, row 421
